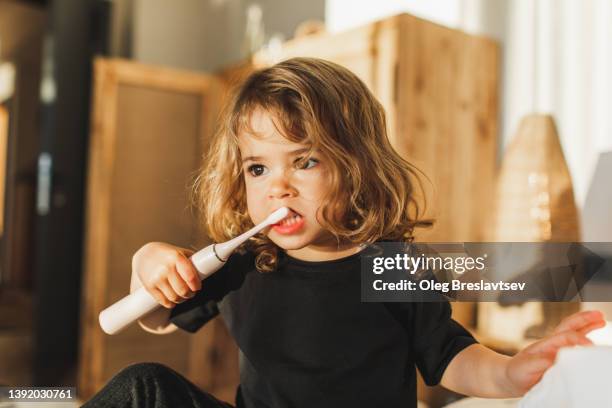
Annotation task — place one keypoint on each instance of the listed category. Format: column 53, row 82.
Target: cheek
column 315, row 183
column 314, row 186
column 254, row 200
column 321, row 189
column 314, row 191
column 339, row 201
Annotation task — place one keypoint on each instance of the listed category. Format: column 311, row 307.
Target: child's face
column 274, row 178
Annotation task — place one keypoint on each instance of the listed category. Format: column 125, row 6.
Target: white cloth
column 580, row 377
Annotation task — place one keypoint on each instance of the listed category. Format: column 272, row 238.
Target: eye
column 313, row 160
column 257, row 168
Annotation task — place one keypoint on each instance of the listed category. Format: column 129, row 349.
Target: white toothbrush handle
column 140, row 302
column 206, row 261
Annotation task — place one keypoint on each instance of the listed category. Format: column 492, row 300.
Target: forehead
column 263, row 134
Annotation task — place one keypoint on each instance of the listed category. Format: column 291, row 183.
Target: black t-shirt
column 307, row 340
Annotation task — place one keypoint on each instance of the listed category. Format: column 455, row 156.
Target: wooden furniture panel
column 4, row 127
column 149, row 128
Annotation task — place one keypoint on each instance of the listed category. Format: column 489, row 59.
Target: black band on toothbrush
column 217, row 255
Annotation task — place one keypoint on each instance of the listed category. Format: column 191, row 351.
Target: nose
column 281, row 187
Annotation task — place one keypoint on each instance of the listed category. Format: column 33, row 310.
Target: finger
column 179, row 286
column 168, row 292
column 592, row 326
column 551, row 344
column 161, row 299
column 579, row 320
column 188, row 272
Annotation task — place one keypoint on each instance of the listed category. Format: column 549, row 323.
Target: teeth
column 291, row 220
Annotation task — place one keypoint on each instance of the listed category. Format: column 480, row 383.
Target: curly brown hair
column 328, row 108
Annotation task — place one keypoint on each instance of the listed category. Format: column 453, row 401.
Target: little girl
column 307, row 134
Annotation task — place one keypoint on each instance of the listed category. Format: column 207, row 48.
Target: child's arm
column 480, row 372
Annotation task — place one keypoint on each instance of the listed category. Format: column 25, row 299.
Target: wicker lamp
column 535, row 199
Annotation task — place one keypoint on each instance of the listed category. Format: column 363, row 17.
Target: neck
column 324, row 254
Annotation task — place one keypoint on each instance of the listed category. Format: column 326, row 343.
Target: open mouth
column 291, row 219
column 290, row 224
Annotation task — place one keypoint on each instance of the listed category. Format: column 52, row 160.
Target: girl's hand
column 528, row 366
column 166, row 273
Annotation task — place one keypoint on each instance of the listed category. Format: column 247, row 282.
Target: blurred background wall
column 556, row 53
column 211, row 34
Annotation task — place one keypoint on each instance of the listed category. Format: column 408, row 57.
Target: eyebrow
column 259, row 158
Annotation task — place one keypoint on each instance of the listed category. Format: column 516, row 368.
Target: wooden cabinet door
column 150, row 126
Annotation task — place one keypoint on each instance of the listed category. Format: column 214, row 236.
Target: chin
column 291, row 242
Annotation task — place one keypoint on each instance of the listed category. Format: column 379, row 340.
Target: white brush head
column 277, row 216
column 225, row 249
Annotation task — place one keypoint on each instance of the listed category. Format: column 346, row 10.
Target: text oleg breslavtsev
column 455, row 285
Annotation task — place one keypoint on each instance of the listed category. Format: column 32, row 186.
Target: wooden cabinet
column 149, row 129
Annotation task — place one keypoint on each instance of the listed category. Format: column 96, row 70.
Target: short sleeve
column 435, row 338
column 194, row 313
